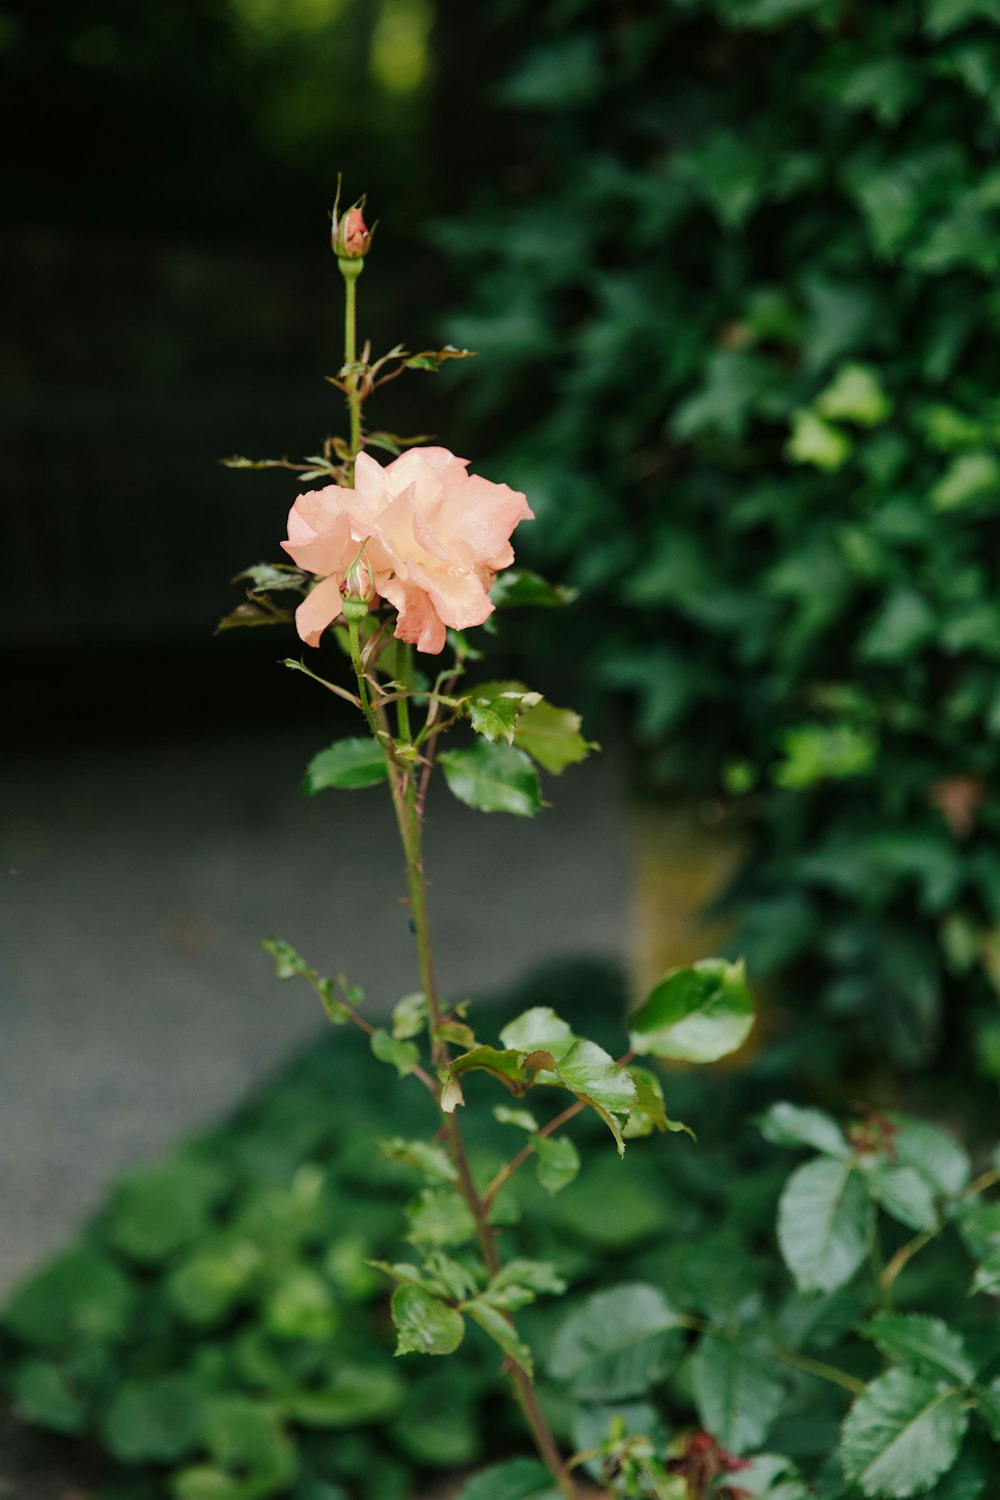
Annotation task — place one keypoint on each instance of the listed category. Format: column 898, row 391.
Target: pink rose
column 434, row 538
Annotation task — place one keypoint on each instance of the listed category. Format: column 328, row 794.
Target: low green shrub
column 219, row 1332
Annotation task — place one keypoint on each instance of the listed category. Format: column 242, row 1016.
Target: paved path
column 134, row 1000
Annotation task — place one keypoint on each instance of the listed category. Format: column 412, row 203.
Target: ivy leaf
column 695, row 1015
column 969, row 478
column 737, row 1388
column 790, row 1125
column 824, row 1220
column 552, row 737
column 404, row 1056
column 557, row 1162
column 424, row 1324
column 347, row 766
column 902, row 1433
column 493, row 778
column 817, row 442
column 855, row 394
column 502, row 1331
column 616, row 1344
column 928, row 1344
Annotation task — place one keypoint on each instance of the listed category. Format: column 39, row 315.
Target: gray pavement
column 135, row 1003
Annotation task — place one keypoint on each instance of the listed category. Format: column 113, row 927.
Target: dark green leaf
column 557, row 1161
column 618, row 1343
column 517, row 586
column 347, row 765
column 738, row 1389
column 927, row 1344
column 696, row 1015
column 902, row 1433
column 790, row 1125
column 493, row 778
column 81, row 1295
column 424, row 1324
column 156, row 1420
column 515, row 1479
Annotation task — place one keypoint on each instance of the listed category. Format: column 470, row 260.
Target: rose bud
column 357, row 589
column 350, row 236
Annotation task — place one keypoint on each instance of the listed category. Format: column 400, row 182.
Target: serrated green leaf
column 493, row 778
column 695, row 1015
column 904, row 1194
column 790, row 1125
column 589, row 1071
column 824, row 1218
column 557, row 1161
column 502, row 1063
column 933, row 1152
column 346, row 765
column 617, row 1343
column 552, row 737
column 738, row 1389
column 925, row 1343
column 520, row 1281
column 424, row 1324
column 649, row 1111
column 902, row 1433
column 494, row 709
column 403, row 1056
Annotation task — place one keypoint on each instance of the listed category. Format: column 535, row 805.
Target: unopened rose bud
column 350, row 236
column 357, row 589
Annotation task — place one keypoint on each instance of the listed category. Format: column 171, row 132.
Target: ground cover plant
column 704, row 1325
column 738, row 316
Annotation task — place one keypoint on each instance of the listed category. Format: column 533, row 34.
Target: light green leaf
column 648, row 1112
column 790, row 1125
column 824, row 1219
column 409, row 1016
column 439, row 1216
column 970, row 477
column 520, row 1281
column 523, row 1119
column 557, row 1161
column 737, row 1388
column 933, row 1152
column 404, row 1056
column 590, row 1072
column 696, row 1015
column 855, row 394
column 493, row 778
column 904, row 1193
column 817, row 442
column 538, row 1030
column 494, row 709
column 902, row 1433
column 502, row 1331
column 515, row 1479
column 424, row 1324
column 552, row 737
column 433, row 1162
column 927, row 1344
column 347, row 765
column 617, row 1343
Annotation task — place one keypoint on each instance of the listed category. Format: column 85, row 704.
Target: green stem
column 788, row 1356
column 403, row 703
column 351, row 270
column 906, row 1252
column 354, row 635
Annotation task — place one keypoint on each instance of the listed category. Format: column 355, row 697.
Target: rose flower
column 434, row 538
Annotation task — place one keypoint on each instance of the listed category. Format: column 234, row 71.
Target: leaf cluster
column 758, row 241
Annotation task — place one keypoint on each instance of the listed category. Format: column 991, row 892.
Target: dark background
column 172, row 300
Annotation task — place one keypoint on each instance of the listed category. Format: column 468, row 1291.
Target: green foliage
column 493, row 778
column 737, row 322
column 346, row 765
